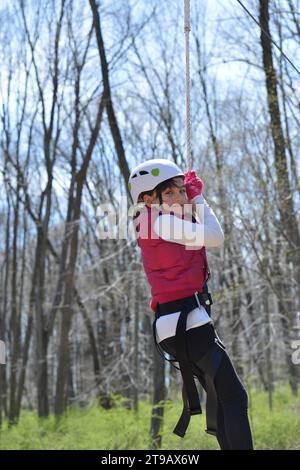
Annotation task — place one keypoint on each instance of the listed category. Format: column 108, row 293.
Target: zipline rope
column 188, row 125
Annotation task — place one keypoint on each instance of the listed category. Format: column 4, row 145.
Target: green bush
column 120, row 428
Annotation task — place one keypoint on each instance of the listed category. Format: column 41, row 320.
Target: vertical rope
column 188, row 126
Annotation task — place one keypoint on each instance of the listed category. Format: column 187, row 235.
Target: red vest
column 173, row 271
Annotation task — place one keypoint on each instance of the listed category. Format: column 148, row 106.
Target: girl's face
column 170, row 196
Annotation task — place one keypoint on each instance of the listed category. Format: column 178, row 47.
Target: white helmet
column 149, row 174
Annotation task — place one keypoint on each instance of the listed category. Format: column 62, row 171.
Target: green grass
column 120, row 428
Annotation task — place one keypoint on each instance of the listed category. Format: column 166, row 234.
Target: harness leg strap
column 209, row 365
column 190, row 393
column 185, row 417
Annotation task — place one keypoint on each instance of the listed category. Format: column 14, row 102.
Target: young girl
column 174, row 226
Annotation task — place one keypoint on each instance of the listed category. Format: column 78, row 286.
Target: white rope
column 188, row 126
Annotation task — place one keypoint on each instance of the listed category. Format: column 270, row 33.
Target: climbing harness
column 209, row 362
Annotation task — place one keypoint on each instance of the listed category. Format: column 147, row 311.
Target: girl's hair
column 170, row 183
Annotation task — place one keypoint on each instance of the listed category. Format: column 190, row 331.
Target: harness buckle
column 205, row 297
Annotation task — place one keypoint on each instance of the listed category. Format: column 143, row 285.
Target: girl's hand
column 193, row 184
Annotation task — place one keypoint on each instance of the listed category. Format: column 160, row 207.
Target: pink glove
column 193, row 184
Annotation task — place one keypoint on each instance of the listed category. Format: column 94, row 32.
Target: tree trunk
column 3, row 310
column 135, row 308
column 74, row 213
column 158, row 398
column 112, row 119
column 288, row 221
column 286, row 205
column 92, row 338
column 24, row 364
column 15, row 317
column 41, row 334
column 269, row 363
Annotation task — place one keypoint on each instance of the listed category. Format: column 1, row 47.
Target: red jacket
column 172, row 270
